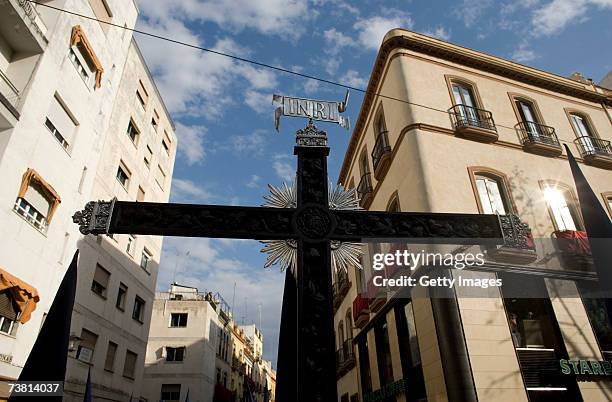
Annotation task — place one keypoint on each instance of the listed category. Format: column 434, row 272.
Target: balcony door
column 491, row 195
column 562, row 208
column 585, row 137
column 528, row 116
column 464, row 98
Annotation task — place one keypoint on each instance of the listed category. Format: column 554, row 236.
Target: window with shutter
column 160, row 177
column 102, row 12
column 142, row 94
column 60, row 122
column 99, row 284
column 87, row 346
column 111, row 351
column 7, row 306
column 36, row 201
column 140, row 196
column 129, row 366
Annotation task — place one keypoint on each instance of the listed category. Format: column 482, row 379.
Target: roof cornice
column 398, row 39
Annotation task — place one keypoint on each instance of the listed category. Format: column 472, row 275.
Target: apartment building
column 117, row 274
column 59, row 77
column 478, row 134
column 183, row 346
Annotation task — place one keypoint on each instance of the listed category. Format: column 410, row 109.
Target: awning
column 78, row 36
column 32, row 176
column 25, row 296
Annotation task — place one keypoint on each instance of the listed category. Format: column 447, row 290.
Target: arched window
column 587, row 139
column 562, row 205
column 465, row 99
column 530, row 120
column 492, row 191
column 340, row 333
column 349, row 324
column 394, row 205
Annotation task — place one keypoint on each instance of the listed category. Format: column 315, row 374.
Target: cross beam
column 306, row 369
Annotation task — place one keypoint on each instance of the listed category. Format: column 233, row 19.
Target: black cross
column 306, row 357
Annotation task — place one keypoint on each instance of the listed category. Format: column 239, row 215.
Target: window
column 111, row 351
column 178, row 319
column 142, row 94
column 597, row 311
column 8, row 314
column 340, row 333
column 145, row 260
column 383, row 353
column 140, row 196
column 170, row 392
column 86, row 347
column 121, row 296
column 83, row 57
column 463, row 96
column 100, row 281
column 490, row 195
column 131, row 245
column 148, row 156
column 60, row 122
column 175, row 354
column 492, row 191
column 102, row 12
column 155, row 120
column 349, row 324
column 133, row 132
column 160, row 177
column 584, row 132
column 527, row 113
column 123, row 175
column 36, row 201
column 139, row 307
column 129, row 366
column 562, row 207
column 166, row 146
column 608, row 201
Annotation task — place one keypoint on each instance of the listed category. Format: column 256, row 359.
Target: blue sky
column 228, row 149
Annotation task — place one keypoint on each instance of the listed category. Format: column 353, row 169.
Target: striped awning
column 22, row 296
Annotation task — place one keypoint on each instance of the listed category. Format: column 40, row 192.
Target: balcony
column 595, row 151
column 22, row 27
column 538, row 138
column 470, row 122
column 9, row 99
column 377, row 296
column 574, row 249
column 365, row 190
column 518, row 245
column 341, row 288
column 345, row 358
column 381, row 155
column 361, row 311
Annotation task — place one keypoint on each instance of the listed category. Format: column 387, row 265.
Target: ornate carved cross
column 306, row 369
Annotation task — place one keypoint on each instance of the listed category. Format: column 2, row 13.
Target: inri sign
column 312, row 109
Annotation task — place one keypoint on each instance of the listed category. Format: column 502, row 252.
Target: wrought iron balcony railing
column 518, row 245
column 345, row 357
column 534, row 134
column 8, row 90
column 364, row 189
column 593, row 146
column 464, row 116
column 381, row 151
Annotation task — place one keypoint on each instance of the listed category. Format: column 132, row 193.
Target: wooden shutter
column 7, row 308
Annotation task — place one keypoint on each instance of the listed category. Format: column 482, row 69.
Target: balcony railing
column 364, row 190
column 345, row 357
column 381, row 154
column 35, row 19
column 341, row 287
column 538, row 138
column 8, row 90
column 468, row 116
column 595, row 151
column 518, row 244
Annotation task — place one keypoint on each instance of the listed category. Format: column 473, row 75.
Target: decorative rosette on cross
column 284, row 252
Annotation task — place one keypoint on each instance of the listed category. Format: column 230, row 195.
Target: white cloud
column 184, row 190
column 553, row 17
column 191, row 142
column 274, row 17
column 311, row 86
column 440, row 33
column 283, row 168
column 252, row 144
column 372, row 30
column 253, row 181
column 523, row 54
column 471, row 10
column 258, row 78
column 331, row 64
column 335, row 41
column 352, row 78
column 259, row 102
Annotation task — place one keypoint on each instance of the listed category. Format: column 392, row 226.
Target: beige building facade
column 474, row 133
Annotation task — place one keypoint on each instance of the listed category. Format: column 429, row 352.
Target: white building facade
column 72, row 91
